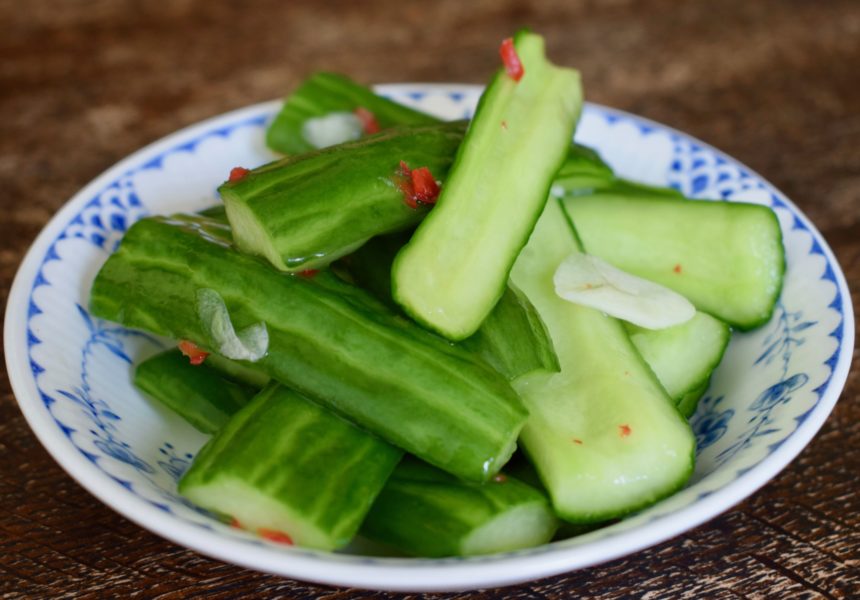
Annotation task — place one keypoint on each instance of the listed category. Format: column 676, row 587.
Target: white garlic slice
column 589, row 281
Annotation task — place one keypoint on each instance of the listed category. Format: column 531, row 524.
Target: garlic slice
column 333, row 128
column 250, row 344
column 590, row 281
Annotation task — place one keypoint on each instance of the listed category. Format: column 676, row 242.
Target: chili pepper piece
column 273, row 535
column 510, row 59
column 195, row 355
column 368, row 120
column 238, row 174
column 424, row 186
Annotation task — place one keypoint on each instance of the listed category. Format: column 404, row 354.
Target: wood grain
column 773, row 83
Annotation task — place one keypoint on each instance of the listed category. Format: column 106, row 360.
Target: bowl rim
column 395, row 574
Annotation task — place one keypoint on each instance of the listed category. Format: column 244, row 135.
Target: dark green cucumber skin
column 588, row 176
column 323, row 93
column 197, row 393
column 512, row 339
column 216, row 212
column 667, row 239
column 317, row 206
column 300, row 455
column 582, row 169
column 467, row 258
column 426, row 512
column 242, row 373
column 370, row 265
column 327, row 339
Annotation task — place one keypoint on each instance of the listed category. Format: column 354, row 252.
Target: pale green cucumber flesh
column 327, row 339
column 603, row 434
column 684, row 356
column 727, row 258
column 425, row 512
column 284, row 464
column 455, row 268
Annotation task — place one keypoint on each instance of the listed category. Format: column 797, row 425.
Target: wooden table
column 775, row 84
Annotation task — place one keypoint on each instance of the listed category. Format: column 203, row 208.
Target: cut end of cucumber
column 255, row 512
column 683, row 357
column 250, row 236
column 493, row 465
column 521, row 527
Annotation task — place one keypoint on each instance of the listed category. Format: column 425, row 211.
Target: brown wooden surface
column 775, row 84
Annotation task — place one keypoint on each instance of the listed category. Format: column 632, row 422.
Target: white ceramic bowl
column 71, row 373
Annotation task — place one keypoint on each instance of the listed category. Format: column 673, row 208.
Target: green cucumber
column 198, row 393
column 603, row 434
column 512, row 339
column 727, row 258
column 520, row 467
column 323, row 93
column 455, row 268
column 684, row 356
column 591, row 175
column 302, row 212
column 284, row 466
column 690, row 401
column 216, row 213
column 426, row 512
column 397, row 380
column 583, row 169
column 370, row 265
column 239, row 372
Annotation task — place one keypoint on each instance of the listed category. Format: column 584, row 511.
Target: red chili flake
column 677, row 268
column 308, row 273
column 577, row 441
column 426, row 188
column 238, row 174
column 195, row 355
column 368, row 120
column 273, row 535
column 500, row 478
column 624, row 430
column 513, row 66
column 234, row 522
column 417, row 185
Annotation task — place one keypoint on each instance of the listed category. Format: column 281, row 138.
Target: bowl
column 71, row 373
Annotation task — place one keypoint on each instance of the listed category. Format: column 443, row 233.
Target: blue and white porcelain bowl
column 72, row 373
